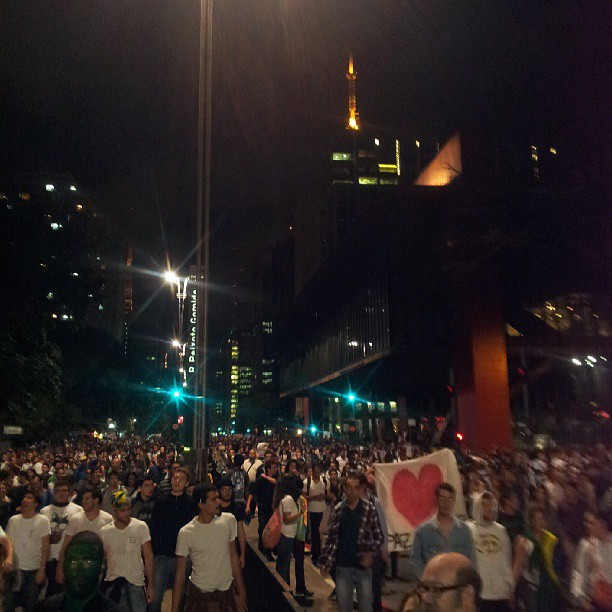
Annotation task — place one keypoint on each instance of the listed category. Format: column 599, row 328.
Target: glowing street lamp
column 171, row 277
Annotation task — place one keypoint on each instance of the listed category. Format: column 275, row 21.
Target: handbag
column 272, row 531
column 602, row 595
column 602, row 590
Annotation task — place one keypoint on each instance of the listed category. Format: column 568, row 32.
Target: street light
column 171, row 277
column 181, row 293
column 203, row 235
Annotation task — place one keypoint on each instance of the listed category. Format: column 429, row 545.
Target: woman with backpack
column 286, row 496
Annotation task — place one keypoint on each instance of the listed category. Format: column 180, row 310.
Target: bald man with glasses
column 450, row 583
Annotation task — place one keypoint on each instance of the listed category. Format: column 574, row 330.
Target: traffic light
column 351, row 397
column 176, row 393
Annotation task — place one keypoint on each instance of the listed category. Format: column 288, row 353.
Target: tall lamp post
column 177, row 343
column 203, row 236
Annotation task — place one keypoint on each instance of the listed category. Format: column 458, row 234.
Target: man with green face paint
column 82, row 570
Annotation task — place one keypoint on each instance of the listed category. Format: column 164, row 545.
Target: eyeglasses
column 435, row 591
column 83, row 564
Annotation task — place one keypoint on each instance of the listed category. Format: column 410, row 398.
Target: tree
column 30, row 382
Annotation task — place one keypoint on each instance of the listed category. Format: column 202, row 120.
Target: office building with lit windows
column 434, row 300
column 63, row 255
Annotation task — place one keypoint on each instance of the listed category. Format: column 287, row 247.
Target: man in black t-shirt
column 226, row 495
column 262, row 491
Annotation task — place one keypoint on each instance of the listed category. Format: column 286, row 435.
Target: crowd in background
column 554, row 507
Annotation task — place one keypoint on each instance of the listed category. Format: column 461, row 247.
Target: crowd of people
column 537, row 532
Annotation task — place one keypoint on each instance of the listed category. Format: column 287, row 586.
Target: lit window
column 72, row 188
column 49, row 187
column 376, row 142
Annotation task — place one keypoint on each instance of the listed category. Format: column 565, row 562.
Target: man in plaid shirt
column 355, row 539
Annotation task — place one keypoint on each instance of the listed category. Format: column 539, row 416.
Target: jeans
column 52, row 587
column 126, row 594
column 165, row 569
column 298, row 555
column 24, row 591
column 378, row 582
column 283, row 560
column 314, row 522
column 347, row 580
column 500, row 605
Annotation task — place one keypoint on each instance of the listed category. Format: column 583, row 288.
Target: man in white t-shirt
column 315, row 491
column 90, row 519
column 209, row 540
column 251, row 465
column 129, row 556
column 30, row 533
column 58, row 513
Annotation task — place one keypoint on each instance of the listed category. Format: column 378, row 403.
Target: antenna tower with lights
column 351, row 77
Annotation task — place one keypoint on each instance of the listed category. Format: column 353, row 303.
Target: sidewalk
column 393, row 591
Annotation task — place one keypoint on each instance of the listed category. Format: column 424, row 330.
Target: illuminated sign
column 193, row 317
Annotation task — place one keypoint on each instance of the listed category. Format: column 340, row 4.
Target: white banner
column 407, row 493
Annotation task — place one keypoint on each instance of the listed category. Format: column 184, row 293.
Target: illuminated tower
column 128, row 297
column 351, row 77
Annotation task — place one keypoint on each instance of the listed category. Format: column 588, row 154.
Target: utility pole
column 203, row 237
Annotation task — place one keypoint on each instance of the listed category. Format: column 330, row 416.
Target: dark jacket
column 142, row 510
column 170, row 513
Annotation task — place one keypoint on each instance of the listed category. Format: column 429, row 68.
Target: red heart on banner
column 414, row 498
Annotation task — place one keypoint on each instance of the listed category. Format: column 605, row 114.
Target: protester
column 228, row 504
column 493, row 553
column 30, row 534
column 58, row 513
column 543, row 565
column 91, row 518
column 83, row 566
column 450, row 583
column 127, row 546
column 114, row 486
column 442, row 533
column 170, row 513
column 209, row 542
column 262, row 493
column 144, row 500
column 355, row 539
column 285, row 499
column 315, row 489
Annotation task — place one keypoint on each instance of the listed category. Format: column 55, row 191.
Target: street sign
column 13, row 430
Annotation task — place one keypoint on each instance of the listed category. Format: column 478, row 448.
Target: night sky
column 107, row 90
